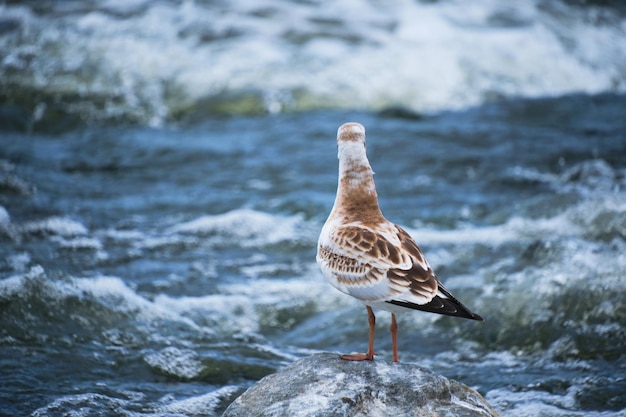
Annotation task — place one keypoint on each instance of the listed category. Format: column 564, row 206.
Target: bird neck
column 356, row 199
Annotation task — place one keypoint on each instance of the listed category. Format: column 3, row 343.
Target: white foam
column 222, row 312
column 81, row 242
column 61, row 226
column 125, row 235
column 580, row 220
column 241, row 306
column 5, row 219
column 155, row 242
column 513, row 229
column 19, row 261
column 250, row 227
column 111, row 292
column 82, row 405
column 421, row 55
column 204, row 404
column 591, row 178
column 182, row 363
column 115, row 293
column 532, row 403
column 12, row 286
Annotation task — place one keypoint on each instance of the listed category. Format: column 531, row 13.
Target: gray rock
column 324, row 385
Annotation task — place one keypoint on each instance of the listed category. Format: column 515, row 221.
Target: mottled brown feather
column 410, row 246
column 385, row 261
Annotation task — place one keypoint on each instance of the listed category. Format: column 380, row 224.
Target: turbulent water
column 66, row 62
column 166, row 167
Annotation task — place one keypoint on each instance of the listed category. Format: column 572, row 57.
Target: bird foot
column 358, row 357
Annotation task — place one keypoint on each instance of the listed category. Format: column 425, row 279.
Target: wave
column 550, row 283
column 557, row 286
column 154, row 63
column 37, row 308
column 531, row 403
column 128, row 402
column 245, row 226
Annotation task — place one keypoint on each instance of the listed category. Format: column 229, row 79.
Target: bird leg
column 394, row 337
column 369, row 356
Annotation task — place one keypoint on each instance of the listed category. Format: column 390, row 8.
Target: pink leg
column 394, row 337
column 369, row 356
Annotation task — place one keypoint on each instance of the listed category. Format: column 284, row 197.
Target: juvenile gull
column 366, row 256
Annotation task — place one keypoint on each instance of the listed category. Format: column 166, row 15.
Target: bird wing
column 378, row 264
column 423, row 284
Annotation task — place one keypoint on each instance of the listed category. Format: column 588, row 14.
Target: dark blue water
column 166, row 167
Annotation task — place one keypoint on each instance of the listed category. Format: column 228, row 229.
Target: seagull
column 364, row 255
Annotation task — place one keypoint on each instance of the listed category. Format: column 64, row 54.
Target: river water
column 166, row 167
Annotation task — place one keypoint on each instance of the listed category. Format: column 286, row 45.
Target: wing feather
column 370, row 247
column 380, row 265
column 385, row 266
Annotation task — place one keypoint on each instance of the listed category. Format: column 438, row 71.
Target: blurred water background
column 166, row 166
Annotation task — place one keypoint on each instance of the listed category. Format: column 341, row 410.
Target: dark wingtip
column 477, row 317
column 446, row 305
column 441, row 306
